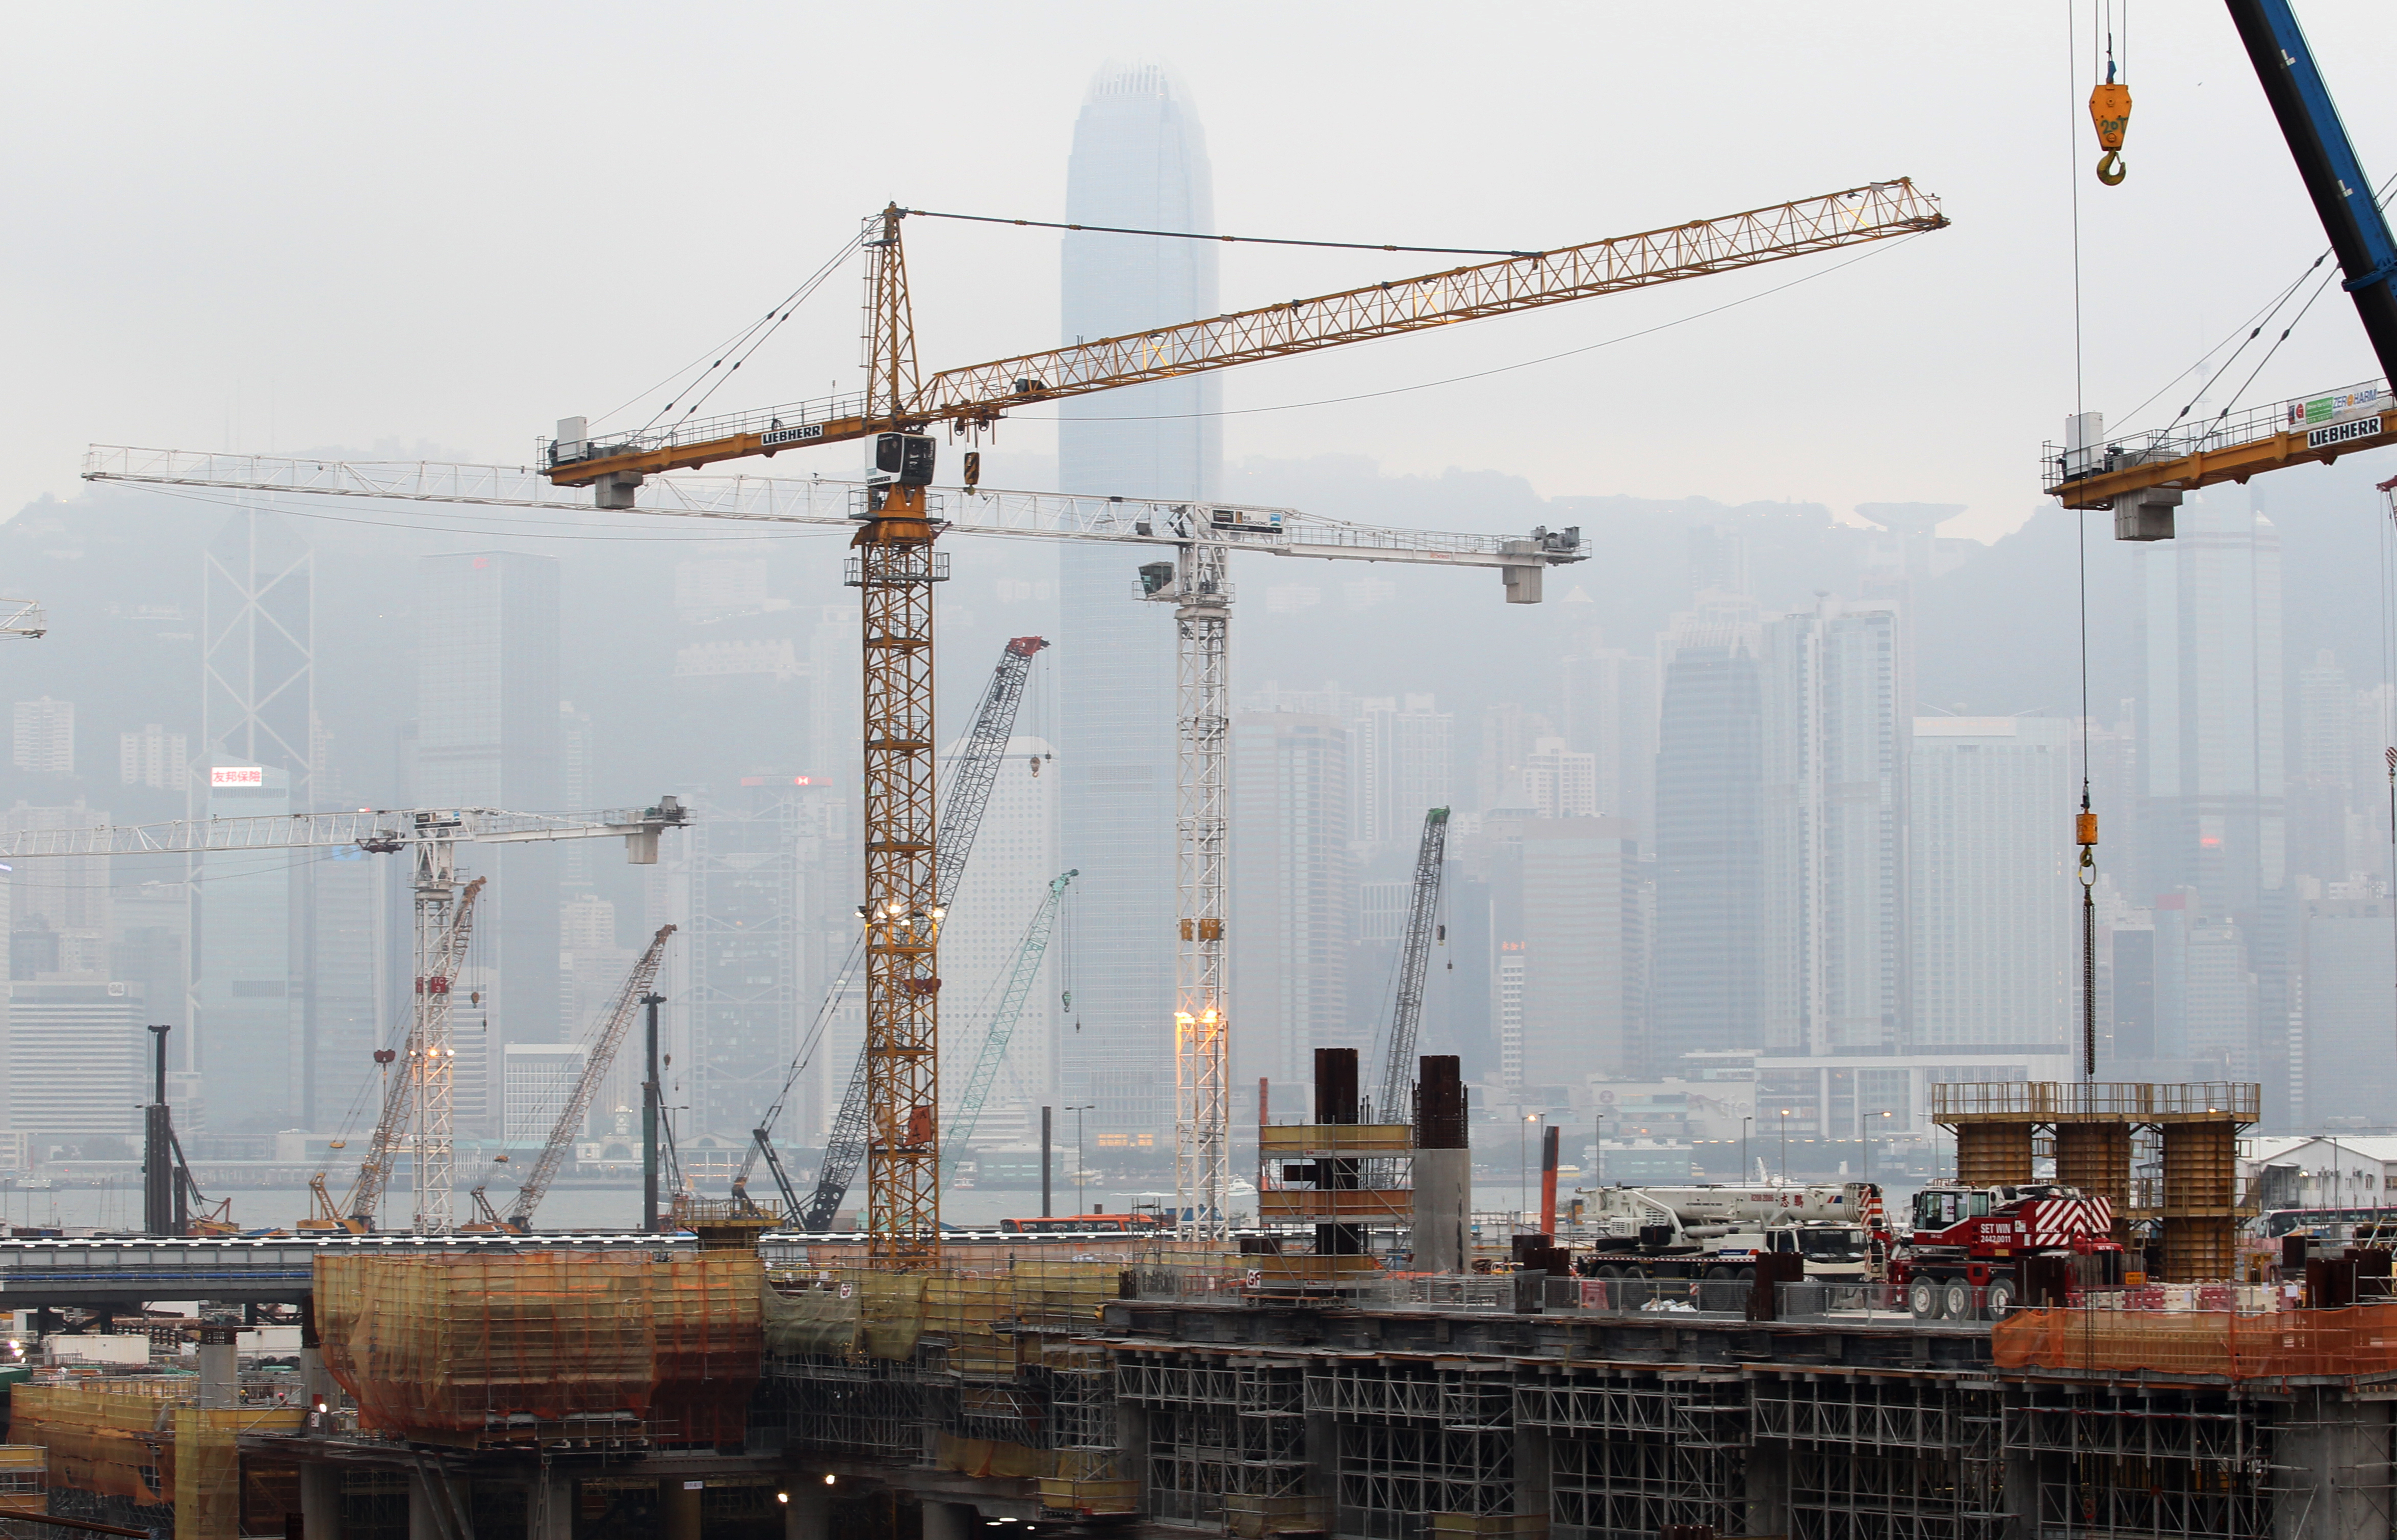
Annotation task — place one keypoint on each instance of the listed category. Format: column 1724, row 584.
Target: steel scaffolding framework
column 1631, row 1452
column 1887, row 1457
column 2139, row 1462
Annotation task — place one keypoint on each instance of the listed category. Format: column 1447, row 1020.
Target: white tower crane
column 1198, row 538
column 432, row 836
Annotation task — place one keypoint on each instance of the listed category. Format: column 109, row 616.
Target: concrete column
column 320, row 1500
column 549, row 1506
column 220, row 1369
column 678, row 1509
column 808, row 1516
column 950, row 1520
column 424, row 1521
column 1768, row 1489
column 2333, row 1453
column 1442, row 1188
column 1532, row 1471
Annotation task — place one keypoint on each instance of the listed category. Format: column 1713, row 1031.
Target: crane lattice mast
column 595, row 1062
column 993, row 1053
column 1394, row 1101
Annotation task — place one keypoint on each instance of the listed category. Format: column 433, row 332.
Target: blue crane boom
column 1002, row 1021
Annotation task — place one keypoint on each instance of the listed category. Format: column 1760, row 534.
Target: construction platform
column 558, row 1395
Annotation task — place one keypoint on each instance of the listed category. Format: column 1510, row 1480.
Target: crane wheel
column 1923, row 1297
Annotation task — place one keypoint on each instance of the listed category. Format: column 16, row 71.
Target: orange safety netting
column 504, row 1347
column 116, row 1441
column 209, row 1477
column 2360, row 1339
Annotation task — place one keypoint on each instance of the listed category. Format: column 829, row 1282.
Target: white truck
column 1717, row 1232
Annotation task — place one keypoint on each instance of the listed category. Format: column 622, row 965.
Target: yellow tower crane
column 895, row 566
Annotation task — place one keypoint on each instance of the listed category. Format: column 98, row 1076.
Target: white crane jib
column 1200, row 537
column 432, row 836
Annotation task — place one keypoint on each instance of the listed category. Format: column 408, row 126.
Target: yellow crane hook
column 2109, row 109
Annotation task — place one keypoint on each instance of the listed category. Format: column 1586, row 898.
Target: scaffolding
column 533, row 1347
column 1913, row 1457
column 1632, row 1452
column 1418, row 1439
column 24, row 1484
column 2143, row 1461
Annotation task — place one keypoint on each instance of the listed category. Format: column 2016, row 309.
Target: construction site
column 2080, row 1324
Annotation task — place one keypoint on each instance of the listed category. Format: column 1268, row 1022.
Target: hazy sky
column 286, row 227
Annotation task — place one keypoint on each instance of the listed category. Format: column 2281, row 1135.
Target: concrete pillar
column 549, row 1506
column 220, row 1369
column 2333, row 1456
column 320, row 1500
column 808, row 1516
column 424, row 1521
column 1768, row 1489
column 1443, row 1184
column 1532, row 1471
column 678, row 1509
column 950, row 1520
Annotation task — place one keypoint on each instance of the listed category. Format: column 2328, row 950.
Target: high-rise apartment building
column 1291, row 890
column 2215, row 832
column 1833, row 829
column 1611, row 715
column 1994, row 897
column 1398, row 767
column 741, row 953
column 76, row 1054
column 43, row 741
column 153, row 758
column 536, row 1082
column 1139, row 162
column 1015, row 857
column 2342, row 1052
column 1559, row 783
column 1709, row 784
column 488, row 735
column 1568, row 893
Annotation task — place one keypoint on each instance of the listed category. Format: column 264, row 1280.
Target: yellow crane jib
column 976, row 395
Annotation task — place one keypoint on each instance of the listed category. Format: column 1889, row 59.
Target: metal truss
column 1202, row 594
column 1887, row 1459
column 1629, row 1455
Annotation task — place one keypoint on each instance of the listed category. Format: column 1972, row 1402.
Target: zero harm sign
column 774, row 437
column 2342, row 432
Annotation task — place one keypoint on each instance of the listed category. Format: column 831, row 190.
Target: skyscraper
column 1834, row 832
column 44, row 741
column 1015, row 857
column 741, row 959
column 1399, row 754
column 1571, row 982
column 1139, row 162
column 1993, row 890
column 1709, row 775
column 488, row 736
column 1291, row 890
column 2213, row 740
column 258, row 740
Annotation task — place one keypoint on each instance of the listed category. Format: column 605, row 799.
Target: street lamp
column 1868, row 1138
column 1598, row 1150
column 1743, row 1149
column 1785, row 1146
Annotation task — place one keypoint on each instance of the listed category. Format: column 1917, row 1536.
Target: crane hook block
column 2109, row 109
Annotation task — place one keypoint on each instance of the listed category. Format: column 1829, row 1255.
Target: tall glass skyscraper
column 1709, row 767
column 488, row 735
column 1139, row 160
